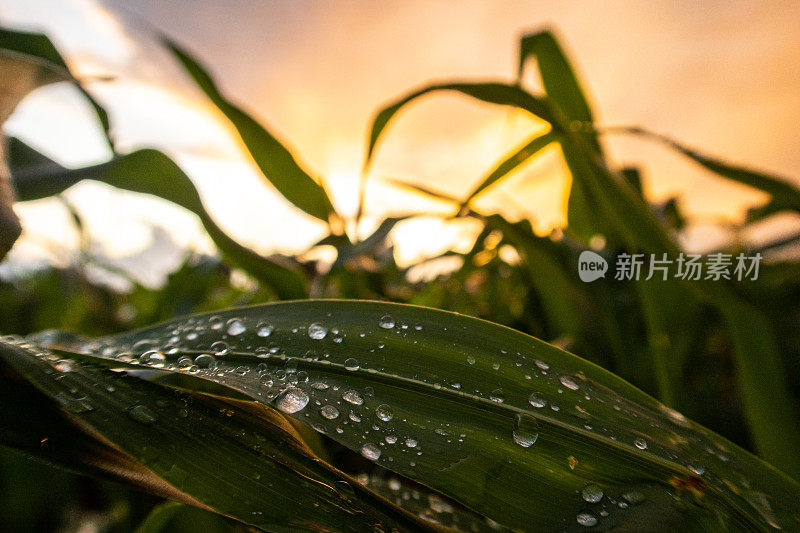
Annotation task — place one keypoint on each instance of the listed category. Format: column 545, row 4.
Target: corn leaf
column 273, row 159
column 511, row 427
column 147, row 171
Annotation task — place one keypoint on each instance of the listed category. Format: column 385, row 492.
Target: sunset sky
column 721, row 76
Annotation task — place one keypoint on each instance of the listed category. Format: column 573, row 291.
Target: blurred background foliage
column 725, row 356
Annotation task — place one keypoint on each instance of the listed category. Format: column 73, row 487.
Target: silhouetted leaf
column 275, row 161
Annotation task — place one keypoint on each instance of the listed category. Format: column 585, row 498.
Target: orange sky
column 722, row 76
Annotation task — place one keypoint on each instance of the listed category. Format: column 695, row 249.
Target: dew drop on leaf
column 634, row 497
column 526, row 430
column 235, row 327
column 351, row 364
column 384, row 412
column 292, row 400
column 317, row 331
column 371, row 451
column 142, row 414
column 154, row 358
column 220, row 348
column 411, row 443
column 537, row 401
column 390, row 439
column 264, row 329
column 568, row 382
column 586, row 519
column 386, row 322
column 329, row 411
column 353, row 397
column 641, row 444
column 497, row 396
column 205, row 361
column 63, row 365
column 592, row 493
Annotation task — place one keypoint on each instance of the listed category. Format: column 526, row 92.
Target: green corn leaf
column 149, row 172
column 509, row 426
column 234, row 458
column 529, row 149
column 784, row 194
column 37, row 48
column 273, row 159
column 495, row 93
column 559, row 80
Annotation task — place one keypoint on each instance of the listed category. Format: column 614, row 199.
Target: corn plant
column 354, row 415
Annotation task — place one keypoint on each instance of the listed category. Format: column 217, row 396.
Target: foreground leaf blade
column 454, row 403
column 235, row 459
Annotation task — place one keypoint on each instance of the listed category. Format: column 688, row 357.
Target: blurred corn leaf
column 559, row 80
column 529, row 149
column 514, row 429
column 273, row 159
column 27, row 61
column 147, row 171
column 785, row 196
column 239, row 460
column 37, row 49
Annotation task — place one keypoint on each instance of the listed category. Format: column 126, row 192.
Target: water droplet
column 220, row 348
column 641, row 444
column 264, row 329
column 371, row 451
column 537, row 401
column 153, row 358
column 496, row 366
column 390, row 439
column 569, row 383
column 699, row 470
column 497, row 396
column 586, row 519
column 235, row 327
column 329, row 411
column 142, row 414
column 526, row 430
column 319, row 385
column 384, row 412
column 292, row 400
column 386, row 322
column 411, row 443
column 352, row 396
column 74, row 404
column 215, row 322
column 470, row 360
column 317, row 331
column 351, row 364
column 205, row 361
column 634, row 497
column 592, row 493
column 541, row 364
column 64, row 365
